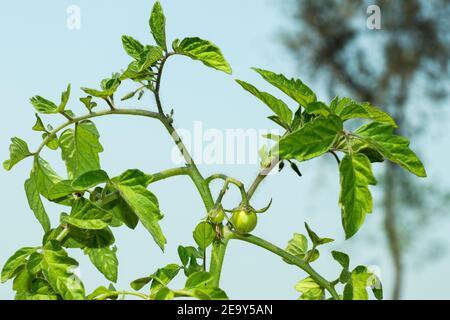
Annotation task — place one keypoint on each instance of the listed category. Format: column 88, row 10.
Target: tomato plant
column 97, row 203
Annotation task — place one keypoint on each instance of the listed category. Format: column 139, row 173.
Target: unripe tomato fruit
column 216, row 215
column 244, row 220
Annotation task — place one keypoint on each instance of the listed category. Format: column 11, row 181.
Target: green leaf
column 198, row 280
column 342, row 258
column 52, row 142
column 393, row 147
column 87, row 215
column 43, row 105
column 84, row 238
column 297, row 246
column 164, row 294
column 318, row 108
column 310, row 290
column 348, row 109
column 101, row 292
column 204, row 51
column 58, row 270
column 312, row 140
column 207, row 293
column 134, row 177
column 134, row 72
column 149, row 57
column 18, row 151
column 35, row 202
column 355, row 198
column 124, row 213
column 188, row 257
column 105, row 260
column 158, row 25
column 42, row 180
column 294, row 88
column 17, row 260
column 88, row 103
column 204, row 234
column 80, row 149
column 64, row 99
column 316, row 240
column 99, row 93
column 356, row 288
column 132, row 47
column 145, row 205
column 162, row 277
column 276, row 105
column 34, row 263
column 138, row 284
column 39, row 125
column 90, row 179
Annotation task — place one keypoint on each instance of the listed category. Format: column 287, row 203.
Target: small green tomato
column 244, row 219
column 216, row 215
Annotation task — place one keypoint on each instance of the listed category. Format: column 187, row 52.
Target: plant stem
column 261, row 176
column 169, row 173
column 292, row 259
column 133, row 112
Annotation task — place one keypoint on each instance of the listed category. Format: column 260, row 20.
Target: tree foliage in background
column 93, row 203
column 406, row 61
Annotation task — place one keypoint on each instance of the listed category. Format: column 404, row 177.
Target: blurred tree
column 391, row 67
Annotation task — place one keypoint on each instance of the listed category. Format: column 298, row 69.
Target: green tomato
column 216, row 215
column 244, row 220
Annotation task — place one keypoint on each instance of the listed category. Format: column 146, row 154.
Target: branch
column 261, row 176
column 289, row 257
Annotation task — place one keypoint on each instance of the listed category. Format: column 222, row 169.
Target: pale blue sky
column 40, row 56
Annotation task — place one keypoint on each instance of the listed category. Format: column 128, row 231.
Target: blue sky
column 40, row 55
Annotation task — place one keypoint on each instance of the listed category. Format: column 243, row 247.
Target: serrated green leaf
column 17, row 260
column 356, row 288
column 393, row 147
column 294, row 88
column 43, row 105
column 87, row 215
column 149, row 57
column 134, row 177
column 348, row 109
column 158, row 25
column 145, row 205
column 204, row 234
column 64, row 99
column 202, row 50
column 198, row 280
column 310, row 290
column 84, row 238
column 132, row 47
column 105, row 260
column 276, row 105
column 52, row 142
column 162, row 277
column 34, row 263
column 164, row 294
column 35, row 203
column 18, row 151
column 312, row 140
column 80, row 149
column 98, row 93
column 58, row 270
column 88, row 103
column 90, row 179
column 134, row 72
column 297, row 246
column 355, row 198
column 318, row 108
